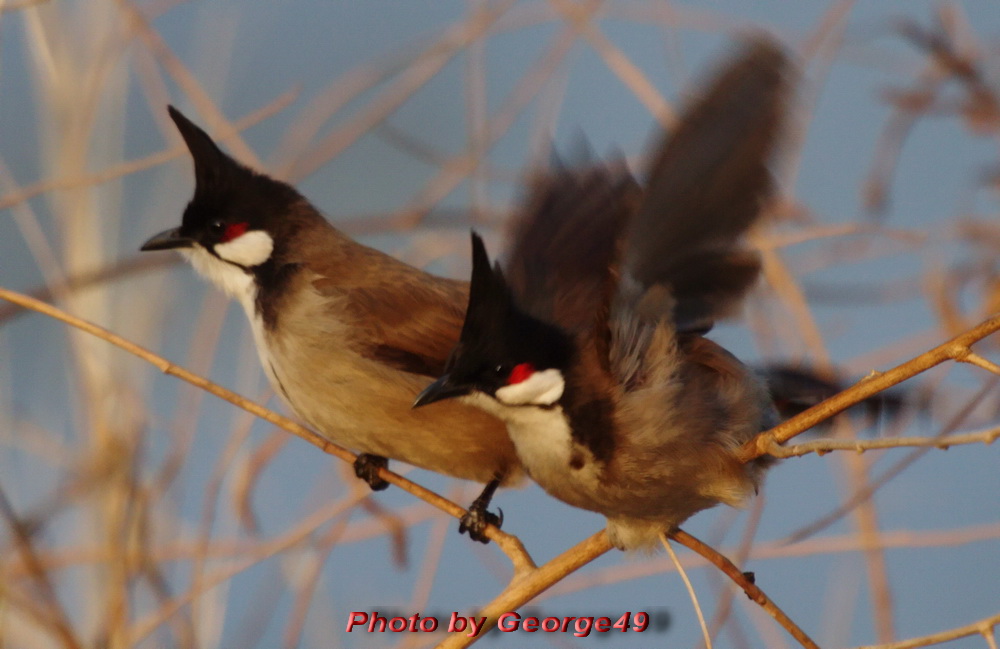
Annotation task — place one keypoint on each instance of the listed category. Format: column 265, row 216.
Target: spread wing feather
column 564, row 244
column 709, row 182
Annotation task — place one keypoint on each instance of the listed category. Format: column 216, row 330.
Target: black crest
column 215, row 172
column 227, row 191
column 490, row 300
column 498, row 334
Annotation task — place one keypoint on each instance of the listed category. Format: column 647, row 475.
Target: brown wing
column 406, row 318
column 416, row 320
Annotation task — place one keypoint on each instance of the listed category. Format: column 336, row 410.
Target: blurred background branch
column 137, row 513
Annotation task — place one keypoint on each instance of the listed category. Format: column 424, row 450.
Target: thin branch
column 423, row 67
column 131, row 166
column 17, row 6
column 955, row 349
column 522, row 589
column 144, row 626
column 509, row 544
column 812, row 233
column 617, row 61
column 304, row 582
column 975, row 359
column 745, row 582
column 52, row 610
column 124, row 268
column 186, row 81
column 27, row 609
column 690, row 590
column 865, row 492
column 781, row 279
column 454, row 170
column 866, row 520
column 982, row 627
column 222, row 548
column 824, row 446
column 764, row 551
column 724, row 602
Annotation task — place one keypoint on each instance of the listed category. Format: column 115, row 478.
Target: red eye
column 521, row 372
column 234, row 230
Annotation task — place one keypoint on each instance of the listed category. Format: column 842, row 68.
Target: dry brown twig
column 524, row 589
column 824, row 446
column 983, row 627
column 422, row 67
column 582, row 18
column 744, row 581
column 957, row 349
column 48, row 610
column 777, row 549
column 456, row 168
column 863, row 494
column 509, row 544
column 528, row 579
column 137, row 20
column 17, row 6
column 143, row 627
column 115, row 171
column 125, row 268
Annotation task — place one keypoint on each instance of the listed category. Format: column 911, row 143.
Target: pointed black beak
column 443, row 388
column 167, row 240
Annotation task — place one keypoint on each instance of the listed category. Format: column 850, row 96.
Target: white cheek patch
column 248, row 250
column 541, row 389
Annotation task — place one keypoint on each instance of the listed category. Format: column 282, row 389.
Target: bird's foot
column 366, row 467
column 476, row 520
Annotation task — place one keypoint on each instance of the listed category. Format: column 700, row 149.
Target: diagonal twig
column 509, row 544
column 955, row 349
column 744, row 581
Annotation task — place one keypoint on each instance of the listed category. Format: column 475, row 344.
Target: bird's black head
column 503, row 352
column 236, row 215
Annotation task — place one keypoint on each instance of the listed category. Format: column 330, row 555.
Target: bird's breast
column 311, row 357
column 545, row 446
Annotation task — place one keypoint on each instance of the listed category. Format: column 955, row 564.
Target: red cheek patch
column 521, row 372
column 234, row 230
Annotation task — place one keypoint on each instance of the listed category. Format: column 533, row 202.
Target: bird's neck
column 542, row 436
column 232, row 280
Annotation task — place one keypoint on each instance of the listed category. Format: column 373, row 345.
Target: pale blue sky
column 245, row 53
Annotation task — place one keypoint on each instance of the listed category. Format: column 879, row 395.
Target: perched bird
column 590, row 341
column 345, row 333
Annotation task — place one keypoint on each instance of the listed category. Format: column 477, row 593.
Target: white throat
column 544, row 443
column 232, row 280
column 239, row 283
